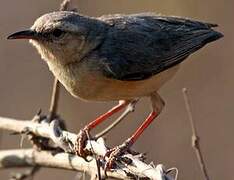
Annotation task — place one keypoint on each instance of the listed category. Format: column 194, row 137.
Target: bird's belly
column 94, row 87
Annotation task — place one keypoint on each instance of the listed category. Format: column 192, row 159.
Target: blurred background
column 26, row 86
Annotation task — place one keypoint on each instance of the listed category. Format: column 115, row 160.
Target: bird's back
column 139, row 46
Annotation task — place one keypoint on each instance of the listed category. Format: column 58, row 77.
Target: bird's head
column 60, row 36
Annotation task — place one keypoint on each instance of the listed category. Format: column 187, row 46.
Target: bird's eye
column 57, row 33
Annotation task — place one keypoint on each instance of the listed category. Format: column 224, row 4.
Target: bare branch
column 54, row 100
column 195, row 137
column 30, row 157
column 65, row 140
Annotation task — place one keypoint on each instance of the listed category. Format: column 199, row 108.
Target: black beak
column 28, row 34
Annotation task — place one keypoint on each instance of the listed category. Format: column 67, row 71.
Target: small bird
column 116, row 57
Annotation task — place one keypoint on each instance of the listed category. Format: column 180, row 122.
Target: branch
column 195, row 137
column 30, row 157
column 136, row 169
column 54, row 100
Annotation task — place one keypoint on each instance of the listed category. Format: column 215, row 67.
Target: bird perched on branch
column 116, row 57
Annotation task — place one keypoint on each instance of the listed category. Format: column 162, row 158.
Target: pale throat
column 61, row 72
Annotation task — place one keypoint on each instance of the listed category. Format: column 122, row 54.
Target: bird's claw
column 80, row 144
column 115, row 154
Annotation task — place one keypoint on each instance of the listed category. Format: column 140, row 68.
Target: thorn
column 39, row 112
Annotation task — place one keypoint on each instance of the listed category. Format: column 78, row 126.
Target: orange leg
column 108, row 114
column 141, row 129
column 119, row 150
column 82, row 136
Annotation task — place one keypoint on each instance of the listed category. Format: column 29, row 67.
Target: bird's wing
column 139, row 46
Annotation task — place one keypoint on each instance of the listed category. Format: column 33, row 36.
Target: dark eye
column 57, row 33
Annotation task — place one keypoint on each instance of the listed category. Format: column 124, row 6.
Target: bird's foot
column 80, row 144
column 116, row 154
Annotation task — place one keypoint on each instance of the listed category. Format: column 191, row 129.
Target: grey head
column 63, row 37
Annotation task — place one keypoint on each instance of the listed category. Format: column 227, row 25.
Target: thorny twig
column 195, row 137
column 65, row 160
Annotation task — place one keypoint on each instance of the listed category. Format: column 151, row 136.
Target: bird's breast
column 93, row 86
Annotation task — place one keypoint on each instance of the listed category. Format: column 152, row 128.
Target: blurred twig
column 67, row 5
column 1, row 133
column 195, row 137
column 54, row 100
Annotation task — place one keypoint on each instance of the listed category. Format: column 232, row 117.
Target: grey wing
column 139, row 46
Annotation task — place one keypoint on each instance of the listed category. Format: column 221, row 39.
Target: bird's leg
column 130, row 108
column 82, row 136
column 116, row 153
column 106, row 115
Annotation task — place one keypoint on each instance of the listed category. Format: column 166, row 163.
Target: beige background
column 26, row 86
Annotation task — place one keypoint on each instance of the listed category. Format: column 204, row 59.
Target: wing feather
column 139, row 46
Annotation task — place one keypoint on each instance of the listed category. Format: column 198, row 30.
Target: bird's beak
column 27, row 34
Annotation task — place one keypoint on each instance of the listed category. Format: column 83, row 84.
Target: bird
column 116, row 57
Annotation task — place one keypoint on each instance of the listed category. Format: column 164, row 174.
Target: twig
column 30, row 157
column 65, row 140
column 130, row 108
column 54, row 100
column 96, row 160
column 66, row 5
column 1, row 133
column 195, row 137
